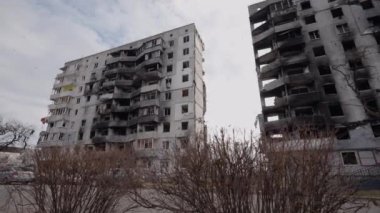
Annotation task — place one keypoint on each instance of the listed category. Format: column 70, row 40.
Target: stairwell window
column 166, row 127
column 185, row 78
column 305, row 5
column 184, row 109
column 185, row 125
column 168, row 96
column 186, row 51
column 169, row 68
column 185, row 93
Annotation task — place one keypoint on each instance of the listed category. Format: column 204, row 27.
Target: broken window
column 80, row 136
column 166, row 127
column 362, row 85
column 314, row 35
column 337, row 12
column 348, row 45
column 167, row 111
column 319, row 51
column 305, row 5
column 355, row 64
column 310, row 19
column 170, row 55
column 185, row 108
column 305, row 111
column 336, row 110
column 376, row 130
column 299, row 90
column 329, row 89
column 169, row 68
column 342, row 28
column 149, row 128
column 366, row 4
column 92, row 134
column 349, row 158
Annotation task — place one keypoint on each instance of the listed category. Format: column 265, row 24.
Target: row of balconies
column 127, row 123
column 272, row 69
column 303, row 99
column 293, row 80
column 132, row 107
column 284, row 123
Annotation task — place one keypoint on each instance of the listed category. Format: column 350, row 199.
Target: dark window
column 366, row 4
column 314, row 35
column 185, row 78
column 78, row 100
column 185, row 93
column 300, row 90
column 362, row 85
column 342, row 134
column 185, row 125
column 295, row 71
column 336, row 110
column 337, row 12
column 169, row 68
column 168, row 96
column 348, row 45
column 319, row 51
column 329, row 89
column 167, row 111
column 96, row 65
column 166, row 127
column 171, row 43
column 186, row 51
column 355, row 64
column 92, row 134
column 349, row 158
column 170, row 55
column 376, row 130
column 186, row 39
column 185, row 64
column 310, row 19
column 342, row 28
column 88, row 98
column 185, row 108
column 305, row 5
column 80, row 136
column 76, row 112
column 83, row 123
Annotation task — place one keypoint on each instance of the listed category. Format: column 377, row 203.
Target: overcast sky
column 38, row 37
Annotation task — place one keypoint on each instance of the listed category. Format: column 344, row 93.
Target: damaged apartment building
column 318, row 63
column 148, row 94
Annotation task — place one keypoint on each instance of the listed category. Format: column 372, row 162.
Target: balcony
column 152, row 102
column 303, row 99
column 120, row 108
column 132, row 121
column 107, row 84
column 272, row 68
column 53, row 118
column 268, row 57
column 123, row 83
column 149, row 119
column 279, row 13
column 60, row 105
column 263, row 32
column 106, row 96
column 142, row 65
column 121, row 95
column 152, row 49
column 284, row 123
column 119, row 123
column 121, row 58
column 273, row 85
column 119, row 70
column 148, row 88
column 290, row 42
column 101, row 124
column 299, row 79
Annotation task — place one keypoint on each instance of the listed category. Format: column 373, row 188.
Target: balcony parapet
column 272, row 68
column 120, row 70
column 259, row 34
column 283, row 123
column 121, row 58
column 149, row 119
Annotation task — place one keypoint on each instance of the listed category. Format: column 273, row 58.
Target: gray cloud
column 37, row 37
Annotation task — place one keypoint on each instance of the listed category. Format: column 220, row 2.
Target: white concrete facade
column 125, row 96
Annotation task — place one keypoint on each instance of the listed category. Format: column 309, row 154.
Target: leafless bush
column 227, row 175
column 75, row 180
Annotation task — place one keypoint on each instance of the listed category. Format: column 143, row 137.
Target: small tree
column 14, row 133
column 75, row 180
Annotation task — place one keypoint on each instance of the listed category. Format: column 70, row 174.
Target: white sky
column 37, row 37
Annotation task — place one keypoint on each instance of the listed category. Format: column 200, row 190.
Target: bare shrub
column 75, row 180
column 14, row 133
column 227, row 175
